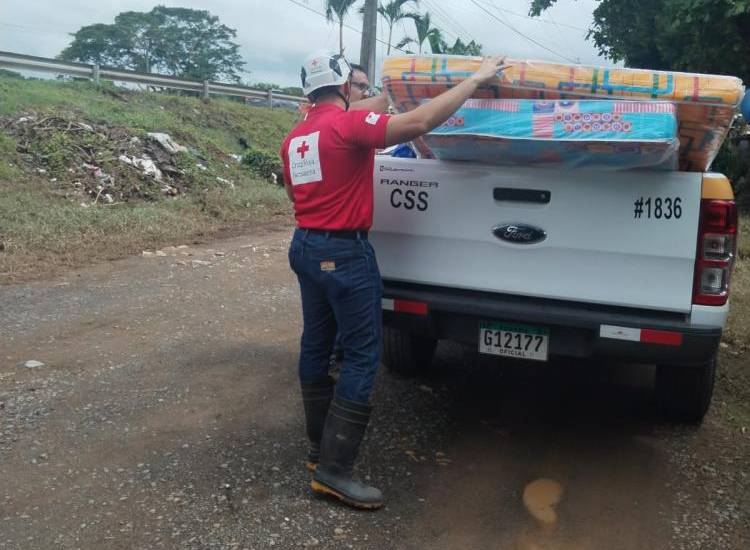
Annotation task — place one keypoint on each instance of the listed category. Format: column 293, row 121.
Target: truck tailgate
column 620, row 238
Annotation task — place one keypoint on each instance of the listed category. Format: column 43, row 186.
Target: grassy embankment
column 50, row 214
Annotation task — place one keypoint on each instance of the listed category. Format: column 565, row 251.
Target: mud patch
column 541, row 498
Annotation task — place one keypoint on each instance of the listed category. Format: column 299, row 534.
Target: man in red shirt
column 328, row 169
column 360, row 98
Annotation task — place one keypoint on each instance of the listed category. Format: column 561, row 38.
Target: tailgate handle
column 537, row 196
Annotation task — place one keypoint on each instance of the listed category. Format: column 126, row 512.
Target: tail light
column 717, row 247
column 405, row 306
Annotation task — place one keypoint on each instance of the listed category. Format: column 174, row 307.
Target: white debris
column 33, row 364
column 201, row 166
column 166, row 141
column 237, row 158
column 146, row 164
column 225, row 182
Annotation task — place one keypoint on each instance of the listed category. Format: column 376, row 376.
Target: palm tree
column 460, row 48
column 405, row 42
column 392, row 13
column 425, row 30
column 340, row 8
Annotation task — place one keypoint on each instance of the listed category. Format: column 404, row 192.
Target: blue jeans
column 341, row 290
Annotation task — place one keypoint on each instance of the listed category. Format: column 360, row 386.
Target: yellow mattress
column 705, row 103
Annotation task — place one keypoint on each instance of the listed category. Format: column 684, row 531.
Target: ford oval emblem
column 519, row 233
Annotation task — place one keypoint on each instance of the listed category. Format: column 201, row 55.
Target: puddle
column 540, row 498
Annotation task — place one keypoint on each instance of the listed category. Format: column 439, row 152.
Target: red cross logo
column 314, row 63
column 302, row 149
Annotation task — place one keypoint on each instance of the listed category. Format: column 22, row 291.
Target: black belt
column 339, row 233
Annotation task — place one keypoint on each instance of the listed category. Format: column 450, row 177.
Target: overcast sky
column 275, row 35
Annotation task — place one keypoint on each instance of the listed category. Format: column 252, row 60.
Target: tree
column 98, row 43
column 434, row 36
column 425, row 30
column 265, row 86
column 392, row 12
column 176, row 41
column 702, row 36
column 404, row 42
column 459, row 47
column 339, row 8
column 707, row 36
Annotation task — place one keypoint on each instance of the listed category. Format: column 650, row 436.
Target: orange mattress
column 706, row 104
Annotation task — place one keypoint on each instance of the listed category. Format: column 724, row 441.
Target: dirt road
column 166, row 414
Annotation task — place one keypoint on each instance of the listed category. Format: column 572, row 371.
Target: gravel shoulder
column 166, row 414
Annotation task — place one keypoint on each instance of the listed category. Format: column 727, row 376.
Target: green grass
column 743, row 244
column 42, row 223
column 40, row 233
column 8, row 161
column 733, row 375
column 213, row 126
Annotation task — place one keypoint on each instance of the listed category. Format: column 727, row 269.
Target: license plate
column 517, row 341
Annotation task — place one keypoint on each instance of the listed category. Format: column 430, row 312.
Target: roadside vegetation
column 81, row 180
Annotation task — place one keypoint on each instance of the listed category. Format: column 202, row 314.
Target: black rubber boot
column 345, row 427
column 316, row 399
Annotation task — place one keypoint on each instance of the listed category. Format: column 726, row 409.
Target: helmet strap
column 345, row 97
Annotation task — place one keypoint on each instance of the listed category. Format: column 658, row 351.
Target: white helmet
column 324, row 69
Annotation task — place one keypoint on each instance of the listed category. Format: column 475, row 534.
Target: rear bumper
column 575, row 328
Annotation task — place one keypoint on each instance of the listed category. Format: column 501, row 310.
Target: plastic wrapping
column 607, row 134
column 705, row 103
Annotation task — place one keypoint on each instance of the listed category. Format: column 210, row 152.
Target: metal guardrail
column 96, row 73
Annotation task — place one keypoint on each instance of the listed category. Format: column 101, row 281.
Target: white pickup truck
column 535, row 263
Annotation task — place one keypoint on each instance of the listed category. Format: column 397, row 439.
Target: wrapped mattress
column 612, row 134
column 705, row 103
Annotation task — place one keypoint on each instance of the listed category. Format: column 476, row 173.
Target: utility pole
column 369, row 34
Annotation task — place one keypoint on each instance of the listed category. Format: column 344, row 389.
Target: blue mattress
column 615, row 134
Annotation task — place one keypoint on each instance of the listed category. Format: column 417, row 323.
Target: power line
column 406, row 33
column 537, row 19
column 512, row 28
column 558, row 35
column 355, row 29
column 549, row 39
column 445, row 20
column 26, row 28
column 467, row 34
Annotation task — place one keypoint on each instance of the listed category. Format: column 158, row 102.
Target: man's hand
column 489, row 69
column 407, row 126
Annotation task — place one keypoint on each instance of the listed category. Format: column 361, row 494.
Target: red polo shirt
column 328, row 160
